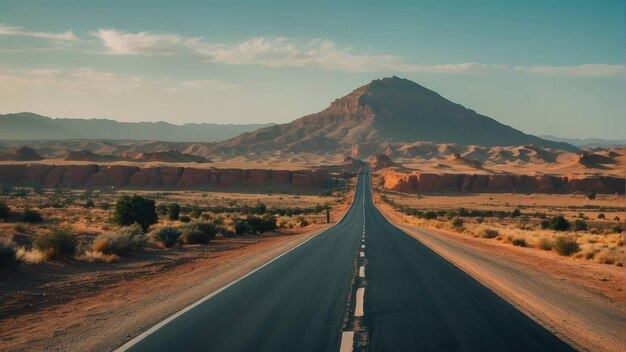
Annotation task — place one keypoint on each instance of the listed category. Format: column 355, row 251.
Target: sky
column 544, row 67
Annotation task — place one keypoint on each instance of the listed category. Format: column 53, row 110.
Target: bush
column 8, row 253
column 162, row 209
column 224, row 231
column 616, row 229
column 122, row 243
column 58, row 243
column 303, row 221
column 242, row 227
column 566, row 246
column 262, row 223
column 601, row 216
column 31, row 216
column 545, row 244
column 591, row 195
column 167, row 236
column 519, row 241
column 515, row 213
column 173, row 211
column 580, row 225
column 430, row 215
column 135, row 209
column 457, row 223
column 489, row 233
column 557, row 223
column 184, row 218
column 195, row 212
column 199, row 233
column 5, row 212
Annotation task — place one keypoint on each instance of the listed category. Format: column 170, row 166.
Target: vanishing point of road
column 362, row 284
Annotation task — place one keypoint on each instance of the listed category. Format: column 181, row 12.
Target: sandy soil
column 581, row 302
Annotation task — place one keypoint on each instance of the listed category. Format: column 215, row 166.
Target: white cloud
column 76, row 79
column 20, row 31
column 143, row 43
column 317, row 54
column 586, row 70
column 208, row 84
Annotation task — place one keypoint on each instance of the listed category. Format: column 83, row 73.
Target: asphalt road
column 414, row 300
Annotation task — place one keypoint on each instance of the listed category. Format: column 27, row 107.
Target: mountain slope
column 385, row 112
column 24, row 126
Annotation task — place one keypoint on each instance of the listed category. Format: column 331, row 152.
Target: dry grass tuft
column 93, row 256
column 33, row 256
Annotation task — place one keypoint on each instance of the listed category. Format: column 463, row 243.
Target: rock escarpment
column 96, row 176
column 470, row 183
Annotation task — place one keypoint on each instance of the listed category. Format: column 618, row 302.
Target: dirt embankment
column 581, row 302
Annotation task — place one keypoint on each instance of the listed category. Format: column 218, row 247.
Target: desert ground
column 91, row 300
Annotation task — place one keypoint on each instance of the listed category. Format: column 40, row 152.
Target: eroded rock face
column 435, row 183
column 169, row 177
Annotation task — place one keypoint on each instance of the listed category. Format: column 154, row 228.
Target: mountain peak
column 390, row 110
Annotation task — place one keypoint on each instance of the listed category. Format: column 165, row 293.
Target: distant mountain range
column 29, row 126
column 378, row 118
column 588, row 142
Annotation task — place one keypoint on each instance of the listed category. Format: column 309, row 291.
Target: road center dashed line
column 347, row 341
column 362, row 254
column 358, row 310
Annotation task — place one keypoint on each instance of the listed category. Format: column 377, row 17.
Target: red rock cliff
column 434, row 183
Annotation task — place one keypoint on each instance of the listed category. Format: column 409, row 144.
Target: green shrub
column 591, row 195
column 489, row 233
column 262, row 223
column 580, row 225
column 162, row 209
column 199, row 233
column 457, row 223
column 31, row 216
column 184, row 218
column 519, row 241
column 242, row 227
column 225, row 231
column 173, row 211
column 58, row 243
column 8, row 253
column 566, row 246
column 122, row 242
column 135, row 209
column 557, row 223
column 195, row 212
column 601, row 216
column 616, row 229
column 515, row 213
column 430, row 215
column 5, row 212
column 167, row 236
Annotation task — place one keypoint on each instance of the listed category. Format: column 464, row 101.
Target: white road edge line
column 358, row 309
column 167, row 320
column 347, row 341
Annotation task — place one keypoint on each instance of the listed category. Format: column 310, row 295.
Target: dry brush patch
column 557, row 223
